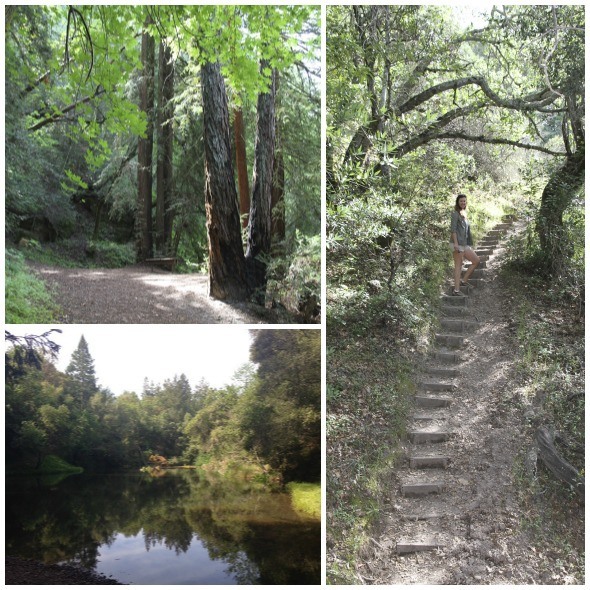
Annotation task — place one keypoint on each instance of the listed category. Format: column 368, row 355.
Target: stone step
column 454, row 325
column 503, row 226
column 509, row 218
column 426, row 401
column 406, row 547
column 419, row 490
column 446, row 357
column 495, row 233
column 429, row 462
column 436, row 386
column 455, row 300
column 482, row 252
column 450, row 340
column 419, row 437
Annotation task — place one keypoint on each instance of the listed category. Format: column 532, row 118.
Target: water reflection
column 178, row 529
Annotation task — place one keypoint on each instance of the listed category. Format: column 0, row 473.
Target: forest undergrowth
column 546, row 315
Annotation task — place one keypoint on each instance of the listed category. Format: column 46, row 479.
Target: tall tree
column 227, row 265
column 283, row 423
column 259, row 228
column 242, row 165
column 165, row 137
column 277, row 197
column 82, row 374
column 145, row 145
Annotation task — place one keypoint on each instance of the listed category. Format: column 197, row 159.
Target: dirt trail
column 138, row 295
column 474, row 519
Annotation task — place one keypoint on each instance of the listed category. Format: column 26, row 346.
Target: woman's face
column 463, row 203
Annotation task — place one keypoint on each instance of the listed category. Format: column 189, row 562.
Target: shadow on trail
column 137, row 295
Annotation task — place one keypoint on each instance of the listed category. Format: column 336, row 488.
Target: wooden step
column 418, row 437
column 442, row 372
column 419, row 490
column 427, row 516
column 429, row 462
column 450, row 340
column 405, row 547
column 425, row 401
column 455, row 300
column 453, row 311
column 446, row 357
column 482, row 264
column 436, row 386
column 426, row 416
column 458, row 325
column 478, row 273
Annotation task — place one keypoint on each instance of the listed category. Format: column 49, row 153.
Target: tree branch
column 498, row 141
column 57, row 116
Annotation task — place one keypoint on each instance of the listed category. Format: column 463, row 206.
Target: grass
column 306, row 498
column 27, row 299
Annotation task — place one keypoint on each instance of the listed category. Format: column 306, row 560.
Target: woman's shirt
column 460, row 226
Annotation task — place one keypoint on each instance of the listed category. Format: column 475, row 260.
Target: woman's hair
column 457, row 207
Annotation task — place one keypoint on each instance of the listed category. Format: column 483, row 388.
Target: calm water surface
column 175, row 529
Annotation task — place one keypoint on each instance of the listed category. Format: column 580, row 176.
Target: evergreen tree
column 82, row 374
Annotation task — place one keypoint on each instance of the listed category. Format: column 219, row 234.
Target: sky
column 124, row 355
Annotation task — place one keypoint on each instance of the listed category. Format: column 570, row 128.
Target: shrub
column 110, row 254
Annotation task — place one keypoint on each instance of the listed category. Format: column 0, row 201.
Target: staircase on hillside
column 425, row 474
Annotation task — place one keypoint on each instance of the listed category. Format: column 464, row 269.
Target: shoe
column 466, row 283
column 457, row 293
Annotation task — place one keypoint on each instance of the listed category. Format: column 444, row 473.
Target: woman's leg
column 474, row 259
column 458, row 257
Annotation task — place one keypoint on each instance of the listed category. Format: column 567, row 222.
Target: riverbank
column 19, row 571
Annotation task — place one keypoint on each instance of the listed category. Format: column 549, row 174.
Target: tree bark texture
column 145, row 148
column 242, row 166
column 165, row 135
column 562, row 188
column 227, row 265
column 259, row 228
column 277, row 198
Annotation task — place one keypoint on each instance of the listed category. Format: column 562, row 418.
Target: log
column 558, row 466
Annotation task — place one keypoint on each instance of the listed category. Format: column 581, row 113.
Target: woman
column 461, row 243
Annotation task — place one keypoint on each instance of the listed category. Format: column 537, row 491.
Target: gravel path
column 139, row 295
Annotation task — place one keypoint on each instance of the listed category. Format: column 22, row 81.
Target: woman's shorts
column 461, row 248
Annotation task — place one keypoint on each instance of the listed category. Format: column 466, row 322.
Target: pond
column 182, row 528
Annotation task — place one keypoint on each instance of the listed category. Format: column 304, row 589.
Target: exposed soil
column 26, row 572
column 140, row 295
column 476, row 520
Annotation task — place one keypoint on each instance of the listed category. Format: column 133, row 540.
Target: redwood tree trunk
column 277, row 198
column 164, row 214
column 227, row 265
column 145, row 148
column 242, row 166
column 259, row 228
